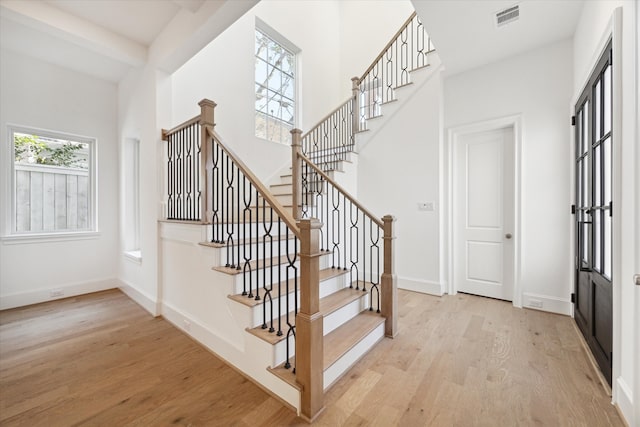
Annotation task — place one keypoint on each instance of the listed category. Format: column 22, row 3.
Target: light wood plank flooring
column 100, row 360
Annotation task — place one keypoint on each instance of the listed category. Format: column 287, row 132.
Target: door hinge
column 573, row 120
column 573, row 298
column 611, row 208
column 573, row 209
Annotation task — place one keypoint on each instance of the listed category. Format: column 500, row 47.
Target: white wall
column 224, row 72
column 596, row 25
column 143, row 109
column 398, row 166
column 537, row 85
column 41, row 95
column 366, row 27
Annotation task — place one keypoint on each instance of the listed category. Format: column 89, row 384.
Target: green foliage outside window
column 32, row 149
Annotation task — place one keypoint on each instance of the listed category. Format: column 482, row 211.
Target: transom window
column 275, row 89
column 53, row 183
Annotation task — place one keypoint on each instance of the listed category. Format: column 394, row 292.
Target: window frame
column 10, row 233
column 273, row 35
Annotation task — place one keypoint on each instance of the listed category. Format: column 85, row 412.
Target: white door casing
column 484, row 212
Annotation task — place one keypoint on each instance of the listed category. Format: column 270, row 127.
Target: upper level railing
column 407, row 51
column 327, row 143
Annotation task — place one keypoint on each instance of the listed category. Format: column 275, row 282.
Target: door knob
column 508, row 235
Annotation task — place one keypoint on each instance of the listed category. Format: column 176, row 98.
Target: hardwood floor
column 100, row 360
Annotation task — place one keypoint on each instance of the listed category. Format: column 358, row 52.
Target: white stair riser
column 278, row 190
column 280, row 349
column 283, row 199
column 257, row 311
column 334, row 372
column 249, row 229
column 256, row 250
column 286, row 179
column 345, row 313
column 257, row 278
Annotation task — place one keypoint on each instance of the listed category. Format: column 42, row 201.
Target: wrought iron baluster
column 374, row 253
column 215, row 200
column 404, row 55
column 279, row 332
column 237, row 214
column 169, row 177
column 291, row 273
column 189, row 172
column 229, row 202
column 335, row 227
column 267, row 239
column 353, row 241
column 245, row 238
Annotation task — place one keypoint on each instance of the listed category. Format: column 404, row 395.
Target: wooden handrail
column 393, row 39
column 283, row 213
column 166, row 133
column 319, row 171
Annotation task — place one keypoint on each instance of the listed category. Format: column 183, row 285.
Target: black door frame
column 593, row 304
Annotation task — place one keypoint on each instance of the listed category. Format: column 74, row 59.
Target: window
column 53, row 183
column 275, row 88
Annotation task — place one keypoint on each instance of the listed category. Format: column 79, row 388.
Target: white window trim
column 269, row 31
column 9, row 234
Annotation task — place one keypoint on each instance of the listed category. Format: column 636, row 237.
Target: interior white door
column 484, row 176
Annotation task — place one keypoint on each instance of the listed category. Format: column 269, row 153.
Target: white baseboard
column 422, row 286
column 142, row 299
column 56, row 292
column 624, row 399
column 241, row 358
column 546, row 303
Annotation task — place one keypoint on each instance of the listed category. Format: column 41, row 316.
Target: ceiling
column 106, row 38
column 465, row 35
column 138, row 20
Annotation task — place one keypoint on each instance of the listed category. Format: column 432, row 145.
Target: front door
column 484, row 213
column 593, row 305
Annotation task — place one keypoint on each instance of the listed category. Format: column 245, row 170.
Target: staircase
column 306, row 271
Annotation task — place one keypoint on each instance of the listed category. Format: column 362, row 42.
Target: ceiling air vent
column 507, row 15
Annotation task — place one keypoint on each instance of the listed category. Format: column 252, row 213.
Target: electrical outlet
column 426, row 206
column 186, row 325
column 56, row 293
column 535, row 303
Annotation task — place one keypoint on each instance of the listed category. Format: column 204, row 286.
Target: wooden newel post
column 207, row 108
column 389, row 285
column 309, row 330
column 355, row 90
column 296, row 171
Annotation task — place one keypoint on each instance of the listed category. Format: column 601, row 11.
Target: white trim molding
column 453, row 133
column 547, row 303
column 141, row 298
column 56, row 292
column 422, row 286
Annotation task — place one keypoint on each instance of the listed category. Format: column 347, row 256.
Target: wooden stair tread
column 237, row 242
column 286, row 375
column 336, row 344
column 328, row 305
column 253, row 264
column 339, row 299
column 326, row 274
column 342, row 339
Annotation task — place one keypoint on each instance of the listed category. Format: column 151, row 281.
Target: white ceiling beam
column 51, row 20
column 189, row 32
